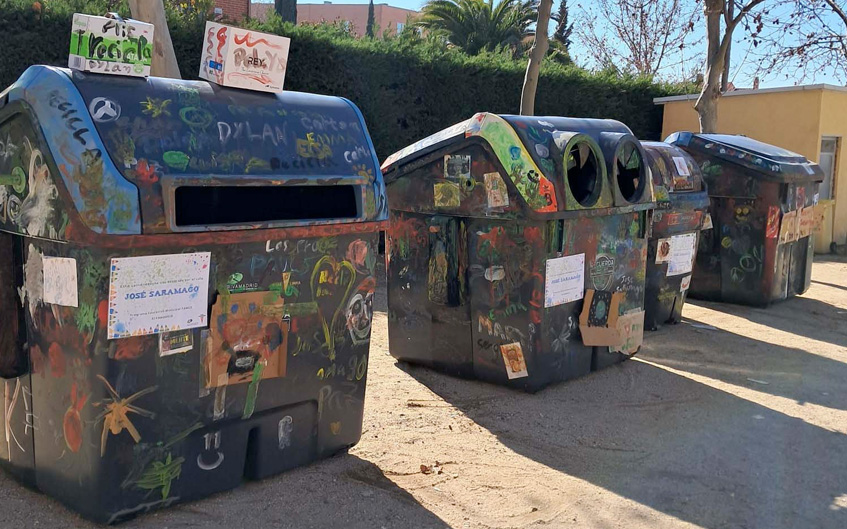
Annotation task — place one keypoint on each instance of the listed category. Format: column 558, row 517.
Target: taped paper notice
column 686, row 282
column 681, row 166
column 564, row 280
column 495, row 188
column 158, row 293
column 663, row 251
column 707, row 222
column 514, row 360
column 681, row 260
column 60, row 282
column 788, row 229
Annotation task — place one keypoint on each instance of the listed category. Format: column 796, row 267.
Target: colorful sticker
column 685, row 283
column 772, row 231
column 514, row 360
column 171, row 343
column 663, row 250
column 603, row 272
column 447, row 195
column 457, row 166
column 681, row 166
column 495, row 188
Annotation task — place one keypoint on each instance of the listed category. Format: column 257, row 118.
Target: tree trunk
column 730, row 14
column 707, row 103
column 164, row 58
column 287, row 9
column 536, row 55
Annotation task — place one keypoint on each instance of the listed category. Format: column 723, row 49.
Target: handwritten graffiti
column 212, row 444
column 284, row 430
column 749, row 262
column 116, row 415
column 312, row 147
column 161, row 474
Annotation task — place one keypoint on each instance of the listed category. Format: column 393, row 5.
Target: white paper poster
column 60, row 282
column 681, row 260
column 681, row 166
column 565, row 280
column 158, row 293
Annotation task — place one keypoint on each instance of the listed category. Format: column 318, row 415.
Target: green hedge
column 406, row 87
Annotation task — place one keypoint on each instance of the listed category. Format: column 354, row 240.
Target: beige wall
column 792, row 119
column 386, row 17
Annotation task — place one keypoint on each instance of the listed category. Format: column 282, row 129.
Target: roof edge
column 802, row 88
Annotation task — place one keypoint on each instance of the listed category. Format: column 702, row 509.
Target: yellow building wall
column 794, row 120
column 834, row 123
column 790, row 120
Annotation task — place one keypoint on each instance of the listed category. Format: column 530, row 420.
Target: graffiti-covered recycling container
column 682, row 204
column 516, row 248
column 195, row 269
column 763, row 201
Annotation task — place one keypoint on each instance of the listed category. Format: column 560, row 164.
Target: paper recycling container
column 763, row 208
column 682, row 204
column 516, row 248
column 186, row 285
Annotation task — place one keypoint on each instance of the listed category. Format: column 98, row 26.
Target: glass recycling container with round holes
column 517, row 247
column 763, row 208
column 186, row 283
column 681, row 212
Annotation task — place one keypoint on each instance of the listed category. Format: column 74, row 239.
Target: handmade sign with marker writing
column 112, row 46
column 242, row 58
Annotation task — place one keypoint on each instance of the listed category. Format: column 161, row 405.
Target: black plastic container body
column 483, row 216
column 682, row 204
column 273, row 210
column 763, row 202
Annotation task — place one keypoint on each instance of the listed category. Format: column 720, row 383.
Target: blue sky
column 743, row 64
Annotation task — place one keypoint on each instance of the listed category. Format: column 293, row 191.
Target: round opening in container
column 629, row 171
column 583, row 172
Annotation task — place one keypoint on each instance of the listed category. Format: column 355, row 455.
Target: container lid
column 769, row 161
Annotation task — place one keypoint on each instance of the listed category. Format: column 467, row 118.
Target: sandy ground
column 736, row 418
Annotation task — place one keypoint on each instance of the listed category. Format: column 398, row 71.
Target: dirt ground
column 736, row 418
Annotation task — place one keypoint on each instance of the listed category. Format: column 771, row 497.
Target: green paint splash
column 253, row 391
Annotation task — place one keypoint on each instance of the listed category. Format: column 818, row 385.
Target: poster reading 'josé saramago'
column 158, row 293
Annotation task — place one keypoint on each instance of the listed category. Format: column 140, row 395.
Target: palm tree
column 479, row 25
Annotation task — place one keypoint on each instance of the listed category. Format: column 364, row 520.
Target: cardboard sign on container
column 113, row 46
column 601, row 324
column 605, row 331
column 242, row 58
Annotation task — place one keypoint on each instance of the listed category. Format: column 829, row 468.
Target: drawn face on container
column 360, row 311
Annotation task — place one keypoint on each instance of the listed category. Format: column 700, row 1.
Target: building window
column 827, row 160
column 400, row 27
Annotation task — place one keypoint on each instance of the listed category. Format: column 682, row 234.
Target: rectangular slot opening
column 215, row 205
